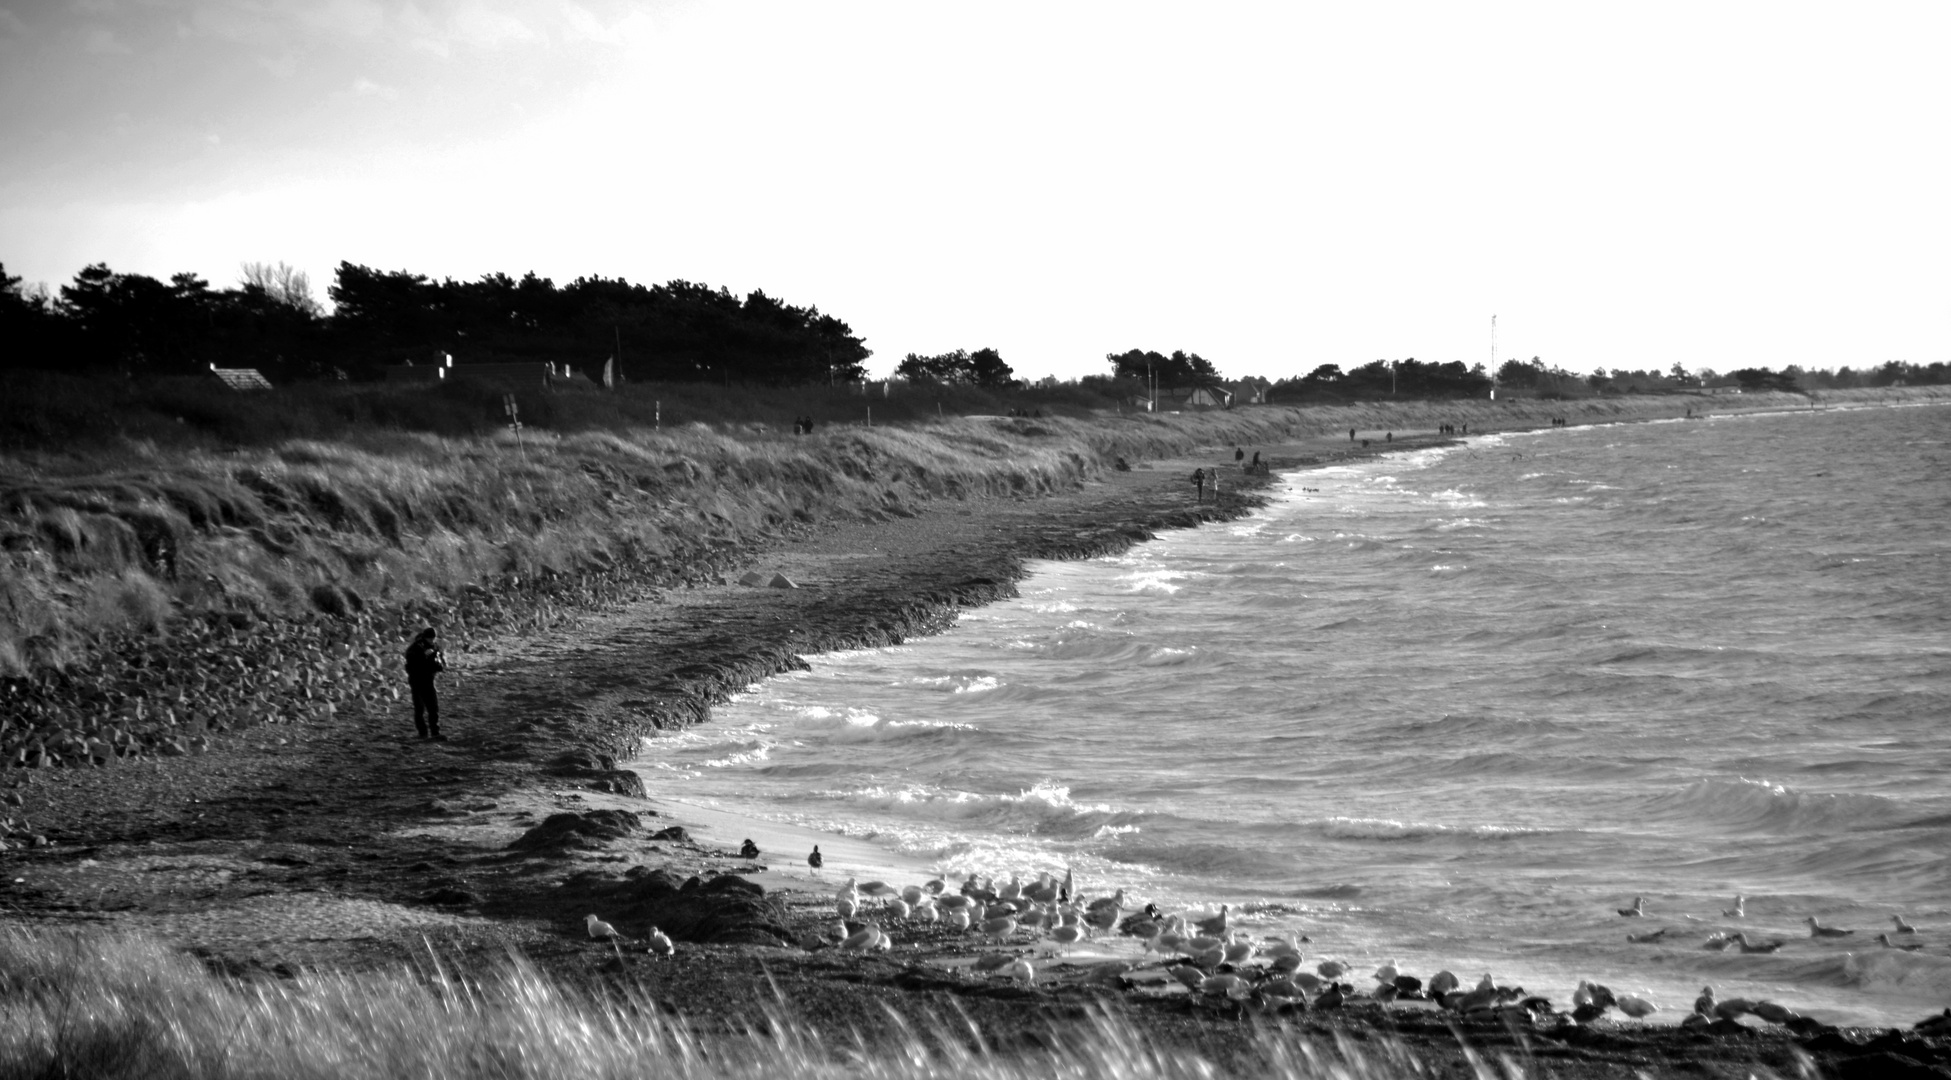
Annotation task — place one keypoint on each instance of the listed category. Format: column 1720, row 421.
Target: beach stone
column 572, row 831
column 675, row 834
column 753, row 578
column 781, row 581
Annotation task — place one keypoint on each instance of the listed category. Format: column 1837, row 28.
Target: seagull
column 1334, row 969
column 1225, row 983
column 1884, row 940
column 1637, row 1006
column 1638, row 910
column 1000, row 928
column 1214, row 926
column 600, row 930
column 1902, row 926
column 878, row 888
column 1021, row 971
column 1066, row 936
column 1443, row 982
column 1740, row 908
column 815, row 860
column 1704, row 1004
column 1191, row 976
column 896, row 908
column 1816, row 929
column 748, row 850
column 846, row 907
column 862, row 939
column 660, row 943
column 1757, row 947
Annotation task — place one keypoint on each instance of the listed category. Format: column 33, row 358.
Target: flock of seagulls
column 1722, row 939
column 1211, row 957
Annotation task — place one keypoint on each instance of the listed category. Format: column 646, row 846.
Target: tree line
column 106, row 321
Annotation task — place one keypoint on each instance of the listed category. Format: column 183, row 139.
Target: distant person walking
column 1199, row 485
column 424, row 660
column 1351, row 434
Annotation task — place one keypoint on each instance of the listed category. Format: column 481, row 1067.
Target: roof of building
column 241, row 378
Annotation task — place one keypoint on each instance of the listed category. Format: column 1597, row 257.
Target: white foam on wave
column 1898, row 970
column 1354, row 828
column 1155, row 581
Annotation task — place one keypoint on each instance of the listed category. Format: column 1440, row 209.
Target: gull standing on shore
column 600, row 930
column 660, row 943
column 815, row 860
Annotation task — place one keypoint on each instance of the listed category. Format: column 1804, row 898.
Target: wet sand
column 346, row 844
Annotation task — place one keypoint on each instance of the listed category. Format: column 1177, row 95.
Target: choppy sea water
column 1454, row 708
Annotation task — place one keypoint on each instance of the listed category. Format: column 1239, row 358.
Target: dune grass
column 105, row 1006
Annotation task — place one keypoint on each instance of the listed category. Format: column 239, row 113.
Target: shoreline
column 348, row 826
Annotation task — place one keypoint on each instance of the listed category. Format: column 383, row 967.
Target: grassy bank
column 108, row 1006
column 149, row 596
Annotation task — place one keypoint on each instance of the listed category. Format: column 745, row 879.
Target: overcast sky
column 1272, row 185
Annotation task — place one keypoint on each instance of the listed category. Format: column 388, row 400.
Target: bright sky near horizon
column 1272, row 185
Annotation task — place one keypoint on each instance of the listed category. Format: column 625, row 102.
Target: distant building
column 241, row 378
column 1195, row 397
column 1251, row 390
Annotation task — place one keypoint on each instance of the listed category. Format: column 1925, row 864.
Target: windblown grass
column 102, row 1006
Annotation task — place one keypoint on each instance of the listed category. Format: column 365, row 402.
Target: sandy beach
column 345, row 844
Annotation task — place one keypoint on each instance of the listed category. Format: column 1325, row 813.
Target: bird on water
column 1740, row 908
column 1902, row 926
column 1816, row 929
column 1637, row 911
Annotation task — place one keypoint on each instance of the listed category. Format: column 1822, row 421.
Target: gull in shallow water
column 1740, row 908
column 1902, row 926
column 1638, row 910
column 1816, row 929
column 1884, row 940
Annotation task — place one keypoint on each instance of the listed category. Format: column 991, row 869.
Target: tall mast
column 1493, row 357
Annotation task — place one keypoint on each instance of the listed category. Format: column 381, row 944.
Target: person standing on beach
column 1351, row 434
column 1199, row 485
column 424, row 660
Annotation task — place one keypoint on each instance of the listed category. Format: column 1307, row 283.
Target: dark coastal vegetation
column 135, row 325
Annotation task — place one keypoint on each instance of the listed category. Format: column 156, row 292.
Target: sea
column 1454, row 707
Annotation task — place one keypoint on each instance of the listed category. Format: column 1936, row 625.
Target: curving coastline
column 400, row 840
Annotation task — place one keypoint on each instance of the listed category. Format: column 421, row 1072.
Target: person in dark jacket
column 424, row 660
